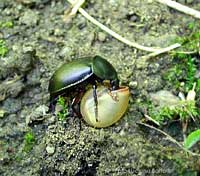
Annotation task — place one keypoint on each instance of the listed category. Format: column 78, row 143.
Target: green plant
column 198, row 84
column 192, row 139
column 191, row 25
column 29, row 141
column 173, row 75
column 3, row 48
column 63, row 113
column 183, row 72
column 190, row 73
column 190, row 43
column 183, row 111
column 7, row 24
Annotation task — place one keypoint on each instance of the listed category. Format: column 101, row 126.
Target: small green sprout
column 29, row 141
column 191, row 25
column 191, row 70
column 63, row 113
column 3, row 48
column 7, row 24
column 198, row 84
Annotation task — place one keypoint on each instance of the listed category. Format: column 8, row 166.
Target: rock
column 52, row 119
column 102, row 36
column 19, row 58
column 50, row 150
column 11, row 87
column 12, row 105
column 164, row 98
column 30, row 18
column 133, row 84
column 2, row 113
column 37, row 114
column 141, row 63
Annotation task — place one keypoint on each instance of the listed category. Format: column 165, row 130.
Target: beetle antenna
column 95, row 101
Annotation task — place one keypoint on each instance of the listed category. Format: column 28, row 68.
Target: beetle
column 76, row 75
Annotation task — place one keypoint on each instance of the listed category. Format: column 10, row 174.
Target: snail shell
column 111, row 106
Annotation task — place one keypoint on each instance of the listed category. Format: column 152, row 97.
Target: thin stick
column 76, row 5
column 151, row 119
column 181, row 8
column 112, row 33
column 156, row 51
column 168, row 137
column 163, row 50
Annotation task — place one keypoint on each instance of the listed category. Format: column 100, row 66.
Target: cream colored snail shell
column 111, row 106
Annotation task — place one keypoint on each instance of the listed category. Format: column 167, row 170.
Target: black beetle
column 76, row 75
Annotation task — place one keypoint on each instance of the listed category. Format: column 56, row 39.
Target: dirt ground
column 39, row 40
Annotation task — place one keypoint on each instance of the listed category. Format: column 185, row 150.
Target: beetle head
column 114, row 84
column 105, row 71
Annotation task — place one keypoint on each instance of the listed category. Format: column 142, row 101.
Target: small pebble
column 101, row 37
column 133, row 84
column 52, row 119
column 164, row 98
column 50, row 150
column 29, row 18
column 2, row 113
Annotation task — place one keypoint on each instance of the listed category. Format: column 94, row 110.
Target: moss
column 190, row 42
column 183, row 72
column 3, row 48
column 185, row 110
column 186, row 61
column 63, row 113
column 7, row 24
column 29, row 141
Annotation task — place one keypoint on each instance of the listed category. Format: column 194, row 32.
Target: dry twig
column 170, row 138
column 77, row 5
column 181, row 8
column 163, row 50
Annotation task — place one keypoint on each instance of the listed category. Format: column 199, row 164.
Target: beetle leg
column 52, row 104
column 114, row 84
column 95, row 101
column 71, row 107
column 75, row 106
column 75, row 103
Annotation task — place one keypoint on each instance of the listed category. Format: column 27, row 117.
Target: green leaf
column 192, row 139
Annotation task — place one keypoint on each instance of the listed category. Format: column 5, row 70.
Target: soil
column 40, row 40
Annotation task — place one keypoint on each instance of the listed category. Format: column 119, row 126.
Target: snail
column 112, row 104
